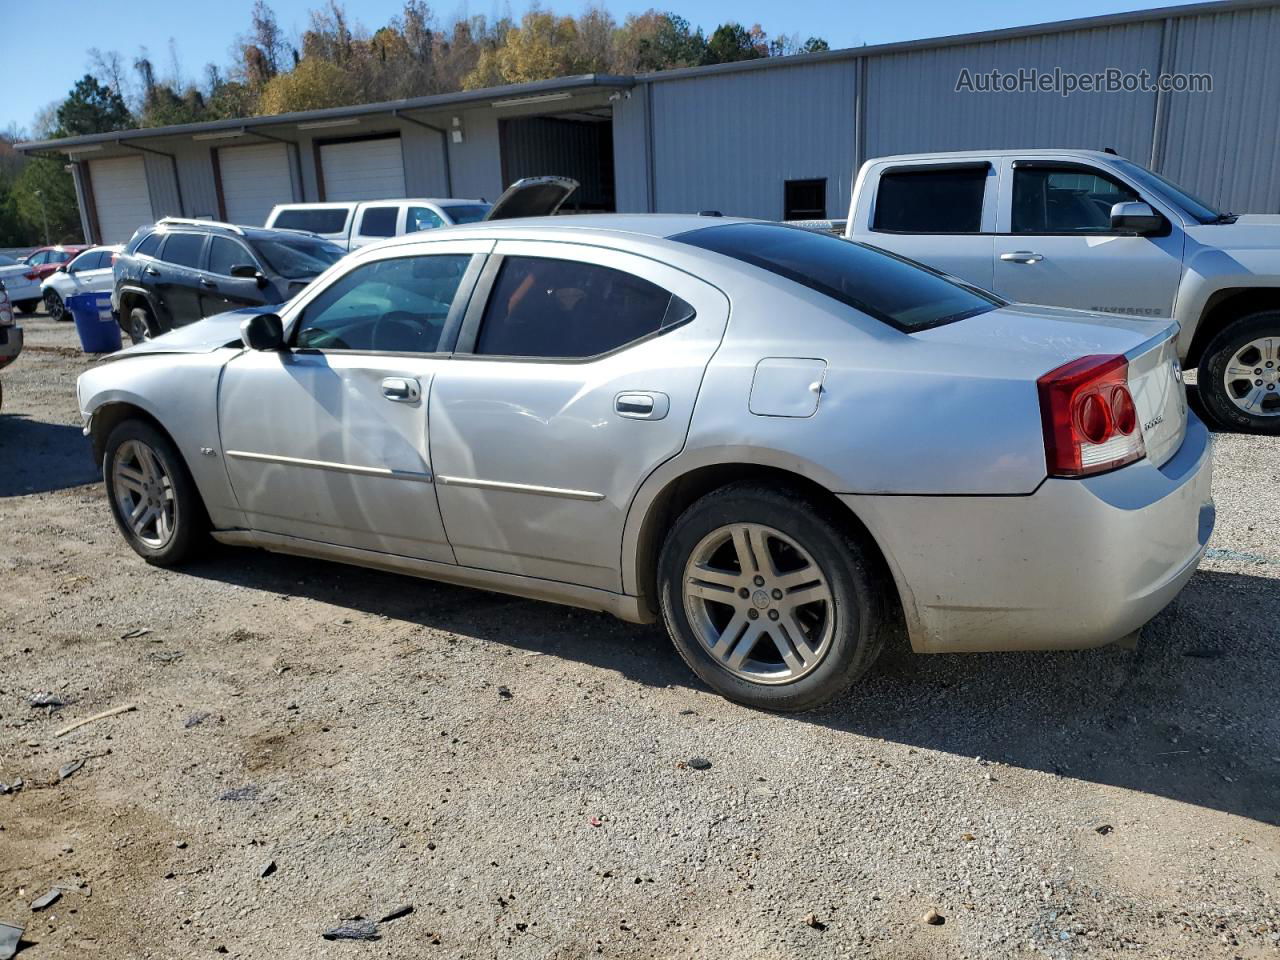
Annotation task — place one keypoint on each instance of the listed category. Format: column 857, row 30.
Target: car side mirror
column 63, row 269
column 247, row 271
column 1135, row 217
column 263, row 331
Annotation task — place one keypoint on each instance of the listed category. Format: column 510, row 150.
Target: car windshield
column 467, row 212
column 1170, row 192
column 297, row 258
column 893, row 289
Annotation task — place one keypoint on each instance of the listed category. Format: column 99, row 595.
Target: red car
column 45, row 260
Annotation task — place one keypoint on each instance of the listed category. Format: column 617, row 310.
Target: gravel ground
column 518, row 772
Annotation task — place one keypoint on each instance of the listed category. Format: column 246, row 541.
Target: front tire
column 770, row 600
column 54, row 306
column 153, row 499
column 1239, row 374
column 139, row 329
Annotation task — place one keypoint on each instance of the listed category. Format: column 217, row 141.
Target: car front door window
column 1049, row 200
column 396, row 305
column 421, row 218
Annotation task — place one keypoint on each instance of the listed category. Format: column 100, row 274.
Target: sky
column 32, row 75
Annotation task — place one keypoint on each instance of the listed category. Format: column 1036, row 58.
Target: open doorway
column 577, row 145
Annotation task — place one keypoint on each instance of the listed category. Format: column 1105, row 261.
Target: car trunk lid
column 1155, row 381
column 532, row 197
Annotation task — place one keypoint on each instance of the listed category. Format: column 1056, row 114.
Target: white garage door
column 363, row 169
column 120, row 193
column 254, row 179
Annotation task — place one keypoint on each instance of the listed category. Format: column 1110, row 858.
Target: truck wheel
column 140, row 328
column 1239, row 375
column 769, row 599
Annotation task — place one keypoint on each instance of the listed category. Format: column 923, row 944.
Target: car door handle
column 1021, row 256
column 641, row 406
column 151, row 272
column 401, row 389
column 206, row 282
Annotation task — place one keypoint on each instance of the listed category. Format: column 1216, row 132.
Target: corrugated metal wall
column 1223, row 145
column 913, row 105
column 727, row 142
column 631, row 150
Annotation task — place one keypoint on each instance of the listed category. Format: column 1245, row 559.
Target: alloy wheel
column 144, row 493
column 1252, row 377
column 53, row 305
column 759, row 603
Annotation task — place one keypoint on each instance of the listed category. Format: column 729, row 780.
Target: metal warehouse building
column 777, row 138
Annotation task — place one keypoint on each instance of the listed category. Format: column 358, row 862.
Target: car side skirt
column 622, row 606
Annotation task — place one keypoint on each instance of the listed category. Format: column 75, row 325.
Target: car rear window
column 329, row 220
column 183, row 249
column 892, row 289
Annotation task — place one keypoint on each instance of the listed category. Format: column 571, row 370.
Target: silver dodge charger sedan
column 782, row 444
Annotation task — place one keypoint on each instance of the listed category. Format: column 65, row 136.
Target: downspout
column 177, row 181
column 444, row 146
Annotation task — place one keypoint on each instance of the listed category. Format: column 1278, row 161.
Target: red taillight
column 1090, row 421
column 32, row 275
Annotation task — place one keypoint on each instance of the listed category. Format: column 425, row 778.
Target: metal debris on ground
column 395, row 914
column 353, row 930
column 67, row 769
column 48, row 900
column 47, row 700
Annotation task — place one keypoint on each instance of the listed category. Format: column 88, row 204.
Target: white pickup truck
column 1094, row 231
column 354, row 223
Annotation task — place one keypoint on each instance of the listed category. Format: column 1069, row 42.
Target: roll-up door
column 121, row 197
column 254, row 179
column 362, row 169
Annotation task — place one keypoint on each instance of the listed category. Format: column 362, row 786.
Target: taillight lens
column 1090, row 421
column 32, row 275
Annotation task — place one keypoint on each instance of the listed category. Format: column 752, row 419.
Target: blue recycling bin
column 98, row 330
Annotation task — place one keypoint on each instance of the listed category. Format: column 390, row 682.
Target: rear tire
column 140, row 328
column 153, row 499
column 809, row 604
column 27, row 306
column 1239, row 374
column 54, row 306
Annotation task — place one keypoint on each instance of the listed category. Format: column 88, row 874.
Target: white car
column 21, row 282
column 90, row 272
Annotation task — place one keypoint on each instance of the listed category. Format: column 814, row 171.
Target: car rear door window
column 931, row 201
column 225, row 254
column 378, row 222
column 392, row 306
column 183, row 249
column 149, row 245
column 542, row 307
column 1064, row 199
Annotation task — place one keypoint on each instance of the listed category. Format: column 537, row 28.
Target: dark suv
column 178, row 271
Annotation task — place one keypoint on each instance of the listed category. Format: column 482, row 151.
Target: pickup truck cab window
column 379, row 222
column 325, row 220
column 1056, row 199
column 931, row 200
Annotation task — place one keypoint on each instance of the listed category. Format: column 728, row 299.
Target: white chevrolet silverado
column 1094, row 231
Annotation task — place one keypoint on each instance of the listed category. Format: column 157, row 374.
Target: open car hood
column 532, row 197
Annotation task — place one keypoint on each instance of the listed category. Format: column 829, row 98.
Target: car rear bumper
column 1079, row 563
column 10, row 344
column 22, row 289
